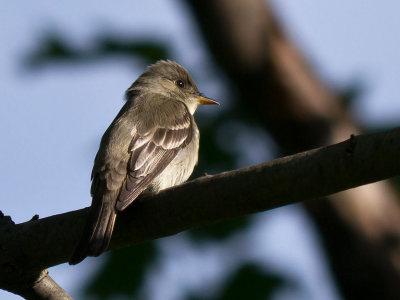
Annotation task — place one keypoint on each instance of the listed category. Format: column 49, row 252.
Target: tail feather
column 98, row 230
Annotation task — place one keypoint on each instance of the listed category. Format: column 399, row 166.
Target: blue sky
column 352, row 41
column 51, row 120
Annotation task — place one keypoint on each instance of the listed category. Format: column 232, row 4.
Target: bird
column 152, row 144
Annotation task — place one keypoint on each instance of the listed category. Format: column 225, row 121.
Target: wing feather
column 153, row 148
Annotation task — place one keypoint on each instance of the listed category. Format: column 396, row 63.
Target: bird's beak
column 206, row 101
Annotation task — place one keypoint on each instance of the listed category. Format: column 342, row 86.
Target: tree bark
column 28, row 283
column 30, row 247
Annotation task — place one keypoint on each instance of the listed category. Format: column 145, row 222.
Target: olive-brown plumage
column 151, row 145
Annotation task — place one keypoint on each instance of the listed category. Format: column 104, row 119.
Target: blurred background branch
column 289, row 100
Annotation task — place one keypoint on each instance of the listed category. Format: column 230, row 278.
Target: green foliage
column 55, row 49
column 249, row 282
column 351, row 93
column 123, row 273
column 220, row 230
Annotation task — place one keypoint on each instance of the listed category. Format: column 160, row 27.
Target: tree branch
column 15, row 278
column 43, row 287
column 38, row 244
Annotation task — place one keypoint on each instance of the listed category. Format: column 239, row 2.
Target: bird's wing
column 165, row 130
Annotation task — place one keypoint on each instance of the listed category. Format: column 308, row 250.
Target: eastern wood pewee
column 151, row 145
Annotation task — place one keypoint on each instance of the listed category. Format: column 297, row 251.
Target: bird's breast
column 181, row 167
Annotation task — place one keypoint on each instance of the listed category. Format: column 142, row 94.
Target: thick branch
column 16, row 278
column 43, row 287
column 39, row 244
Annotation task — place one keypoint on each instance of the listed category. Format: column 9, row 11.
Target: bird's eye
column 180, row 83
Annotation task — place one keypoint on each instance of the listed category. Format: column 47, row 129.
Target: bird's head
column 170, row 79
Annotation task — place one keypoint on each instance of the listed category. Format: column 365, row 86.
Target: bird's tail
column 98, row 230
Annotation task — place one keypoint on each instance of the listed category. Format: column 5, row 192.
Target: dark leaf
column 55, row 49
column 123, row 273
column 220, row 230
column 249, row 282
